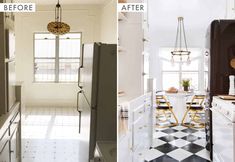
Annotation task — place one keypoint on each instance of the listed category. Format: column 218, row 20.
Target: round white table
column 178, row 101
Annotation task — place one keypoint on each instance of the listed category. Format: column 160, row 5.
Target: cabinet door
column 14, row 146
column 4, row 154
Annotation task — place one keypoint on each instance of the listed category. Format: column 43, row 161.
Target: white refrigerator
column 97, row 95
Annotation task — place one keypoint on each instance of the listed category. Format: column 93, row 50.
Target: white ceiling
column 49, row 2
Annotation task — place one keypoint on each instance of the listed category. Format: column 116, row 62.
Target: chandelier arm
column 180, row 44
column 185, row 41
column 180, row 50
column 176, row 40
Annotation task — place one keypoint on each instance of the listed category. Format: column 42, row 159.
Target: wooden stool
column 195, row 107
column 164, row 107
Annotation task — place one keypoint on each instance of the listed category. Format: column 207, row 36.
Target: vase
column 186, row 88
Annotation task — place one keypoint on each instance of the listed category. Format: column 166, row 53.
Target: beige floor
column 51, row 135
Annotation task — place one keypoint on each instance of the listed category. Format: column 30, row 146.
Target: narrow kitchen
column 55, row 97
column 180, row 105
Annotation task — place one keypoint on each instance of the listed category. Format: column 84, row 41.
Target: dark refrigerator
column 97, row 93
column 221, row 50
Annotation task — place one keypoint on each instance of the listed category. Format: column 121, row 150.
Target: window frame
column 180, row 74
column 57, row 58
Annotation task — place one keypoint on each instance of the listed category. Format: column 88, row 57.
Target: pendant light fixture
column 58, row 27
column 180, row 50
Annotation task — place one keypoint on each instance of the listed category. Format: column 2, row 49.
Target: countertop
column 108, row 150
column 229, row 102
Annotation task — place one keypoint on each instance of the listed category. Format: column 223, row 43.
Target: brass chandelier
column 180, row 50
column 58, row 27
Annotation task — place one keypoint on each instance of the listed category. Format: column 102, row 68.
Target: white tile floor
column 51, row 135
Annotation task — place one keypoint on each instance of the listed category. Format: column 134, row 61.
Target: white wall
column 85, row 19
column 109, row 22
column 163, row 22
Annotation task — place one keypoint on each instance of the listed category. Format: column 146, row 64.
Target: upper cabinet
column 230, row 9
column 7, row 62
column 133, row 58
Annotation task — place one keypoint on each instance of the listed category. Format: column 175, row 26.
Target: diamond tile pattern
column 179, row 144
column 168, row 138
column 166, row 148
column 189, row 130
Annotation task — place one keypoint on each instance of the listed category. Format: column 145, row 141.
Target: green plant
column 185, row 82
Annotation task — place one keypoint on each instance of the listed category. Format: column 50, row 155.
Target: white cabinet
column 140, row 126
column 130, row 58
column 138, row 137
column 230, row 12
column 124, row 149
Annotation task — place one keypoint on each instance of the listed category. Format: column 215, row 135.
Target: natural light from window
column 56, row 58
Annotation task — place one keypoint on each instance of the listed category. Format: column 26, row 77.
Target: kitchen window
column 56, row 58
column 174, row 73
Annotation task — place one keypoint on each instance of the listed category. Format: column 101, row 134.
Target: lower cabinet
column 10, row 140
column 4, row 154
column 140, row 127
column 10, row 151
column 14, row 146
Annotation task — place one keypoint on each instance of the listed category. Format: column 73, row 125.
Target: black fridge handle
column 79, row 111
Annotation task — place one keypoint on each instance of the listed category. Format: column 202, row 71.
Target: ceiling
column 49, row 2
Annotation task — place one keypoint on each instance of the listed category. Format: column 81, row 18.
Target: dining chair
column 165, row 110
column 195, row 109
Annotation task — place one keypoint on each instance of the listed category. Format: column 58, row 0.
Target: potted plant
column 186, row 84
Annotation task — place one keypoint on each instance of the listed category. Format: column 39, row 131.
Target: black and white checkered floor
column 178, row 144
